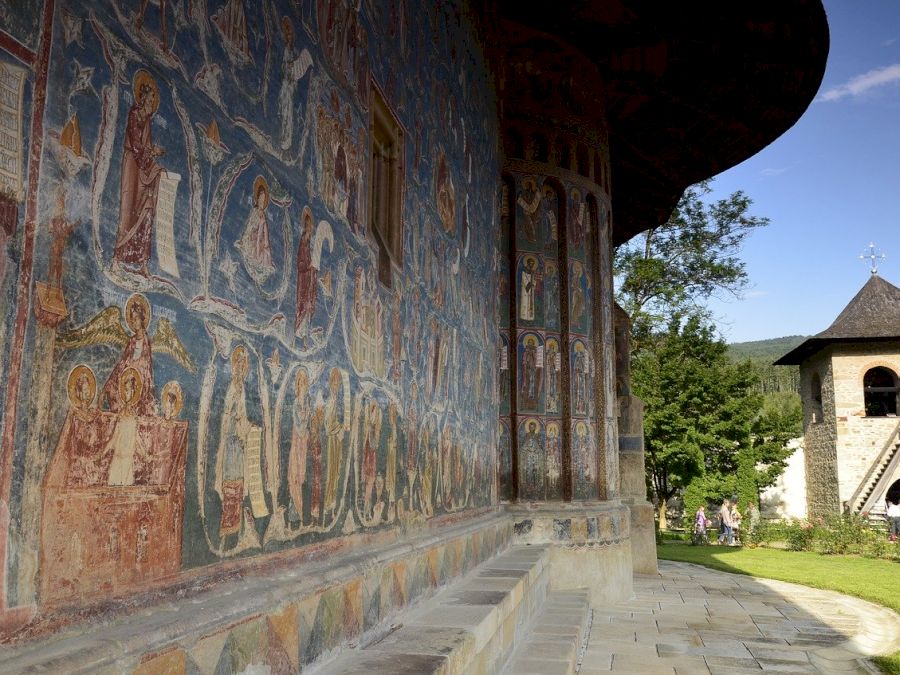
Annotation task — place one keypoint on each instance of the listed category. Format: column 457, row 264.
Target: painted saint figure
column 254, row 242
column 137, row 355
column 531, row 452
column 412, row 446
column 140, row 178
column 334, row 431
column 294, row 67
column 390, row 469
column 579, row 379
column 126, row 443
column 306, row 275
column 552, row 356
column 234, row 429
column 530, row 390
column 527, row 289
column 530, row 201
column 300, row 435
column 578, row 298
column 371, row 436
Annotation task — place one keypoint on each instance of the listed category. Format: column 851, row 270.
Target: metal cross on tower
column 872, row 257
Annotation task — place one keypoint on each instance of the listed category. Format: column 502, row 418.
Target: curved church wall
column 212, row 365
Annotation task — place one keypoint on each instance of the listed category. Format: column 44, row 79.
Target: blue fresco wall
column 212, row 367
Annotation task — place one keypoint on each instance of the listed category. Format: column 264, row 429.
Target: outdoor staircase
column 868, row 496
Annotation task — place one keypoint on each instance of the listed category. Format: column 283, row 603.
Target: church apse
column 215, row 363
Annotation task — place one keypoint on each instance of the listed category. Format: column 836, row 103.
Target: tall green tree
column 700, row 409
column 671, row 269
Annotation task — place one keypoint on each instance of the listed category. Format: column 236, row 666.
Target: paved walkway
column 690, row 619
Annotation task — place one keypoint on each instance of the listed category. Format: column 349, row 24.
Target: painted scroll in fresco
column 253, row 472
column 12, row 88
column 165, row 222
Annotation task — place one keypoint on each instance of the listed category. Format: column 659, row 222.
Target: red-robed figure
column 140, row 177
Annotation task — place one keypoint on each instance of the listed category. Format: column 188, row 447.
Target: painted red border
column 23, row 296
column 16, row 48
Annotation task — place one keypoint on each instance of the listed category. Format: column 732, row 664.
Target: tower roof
column 873, row 314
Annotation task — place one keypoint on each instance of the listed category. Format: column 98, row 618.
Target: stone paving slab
column 688, row 619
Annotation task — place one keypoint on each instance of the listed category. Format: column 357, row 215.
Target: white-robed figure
column 235, row 427
column 528, row 284
column 254, row 242
column 294, row 67
column 125, row 442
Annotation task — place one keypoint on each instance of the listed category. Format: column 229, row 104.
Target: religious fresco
column 218, row 367
column 552, row 225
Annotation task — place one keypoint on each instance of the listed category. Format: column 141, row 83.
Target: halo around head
column 141, row 79
column 173, row 390
column 260, row 184
column 133, row 375
column 137, row 299
column 76, row 376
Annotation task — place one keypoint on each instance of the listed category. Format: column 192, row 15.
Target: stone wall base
column 590, row 545
column 643, row 538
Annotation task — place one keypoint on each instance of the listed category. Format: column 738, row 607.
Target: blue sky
column 830, row 185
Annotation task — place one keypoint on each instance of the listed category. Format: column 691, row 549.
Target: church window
column 880, row 387
column 386, row 186
column 815, row 386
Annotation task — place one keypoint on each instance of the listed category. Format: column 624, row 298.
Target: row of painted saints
column 541, row 458
column 540, row 364
column 538, row 291
column 329, row 437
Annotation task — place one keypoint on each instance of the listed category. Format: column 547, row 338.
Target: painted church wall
column 212, row 366
column 558, row 318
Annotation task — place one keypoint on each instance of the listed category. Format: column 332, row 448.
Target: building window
column 815, row 386
column 386, row 186
column 880, row 387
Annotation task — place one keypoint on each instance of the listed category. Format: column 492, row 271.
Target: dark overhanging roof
column 873, row 315
column 693, row 87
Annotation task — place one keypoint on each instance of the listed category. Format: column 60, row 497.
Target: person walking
column 893, row 516
column 725, row 531
column 700, row 525
column 736, row 519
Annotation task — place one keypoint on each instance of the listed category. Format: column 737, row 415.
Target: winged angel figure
column 139, row 347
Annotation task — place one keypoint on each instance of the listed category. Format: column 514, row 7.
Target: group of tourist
column 730, row 519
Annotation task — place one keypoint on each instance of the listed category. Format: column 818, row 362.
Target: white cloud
column 856, row 86
column 888, row 43
column 772, row 171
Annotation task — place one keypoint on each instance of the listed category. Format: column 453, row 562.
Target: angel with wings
column 106, row 328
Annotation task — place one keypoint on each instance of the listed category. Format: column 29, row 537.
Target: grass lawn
column 874, row 580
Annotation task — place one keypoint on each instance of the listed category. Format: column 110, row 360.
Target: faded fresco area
column 215, row 363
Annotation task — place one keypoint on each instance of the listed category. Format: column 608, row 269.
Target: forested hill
column 762, row 353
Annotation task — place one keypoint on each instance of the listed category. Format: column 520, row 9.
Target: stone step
column 469, row 627
column 553, row 642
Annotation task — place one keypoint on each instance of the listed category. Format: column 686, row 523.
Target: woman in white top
column 893, row 516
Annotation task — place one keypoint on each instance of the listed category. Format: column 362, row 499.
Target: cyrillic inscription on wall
column 12, row 89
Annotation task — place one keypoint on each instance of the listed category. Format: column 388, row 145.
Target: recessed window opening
column 880, row 388
column 386, row 187
column 815, row 386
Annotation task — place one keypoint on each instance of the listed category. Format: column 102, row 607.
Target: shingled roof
column 873, row 314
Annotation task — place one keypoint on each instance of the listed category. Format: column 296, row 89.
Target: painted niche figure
column 528, row 285
column 530, row 201
column 254, row 242
column 531, row 381
column 578, row 299
column 334, row 431
column 579, row 378
column 300, row 437
column 552, row 377
column 554, row 459
column 234, row 429
column 531, row 449
column 126, row 445
column 136, row 355
column 83, row 435
column 140, row 178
